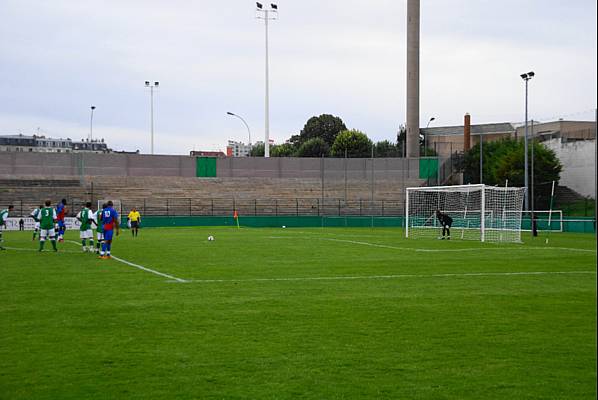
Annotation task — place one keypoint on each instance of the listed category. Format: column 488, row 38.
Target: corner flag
column 236, row 217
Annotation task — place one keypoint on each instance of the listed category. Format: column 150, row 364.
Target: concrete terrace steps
column 180, row 196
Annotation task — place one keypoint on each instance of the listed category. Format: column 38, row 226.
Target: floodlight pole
column 532, row 171
column 91, row 123
column 152, row 86
column 267, row 14
column 526, row 77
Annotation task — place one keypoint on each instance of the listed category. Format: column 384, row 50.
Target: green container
column 428, row 168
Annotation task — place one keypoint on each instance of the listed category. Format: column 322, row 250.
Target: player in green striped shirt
column 3, row 217
column 85, row 216
column 47, row 219
column 97, row 218
column 35, row 215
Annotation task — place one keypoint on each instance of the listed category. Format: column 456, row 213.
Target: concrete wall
column 579, row 164
column 76, row 164
column 330, row 168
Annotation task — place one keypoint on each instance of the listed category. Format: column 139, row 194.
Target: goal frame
column 481, row 188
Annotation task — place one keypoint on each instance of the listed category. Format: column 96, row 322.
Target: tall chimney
column 467, row 133
column 412, row 78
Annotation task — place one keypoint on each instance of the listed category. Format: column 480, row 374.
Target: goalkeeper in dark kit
column 446, row 221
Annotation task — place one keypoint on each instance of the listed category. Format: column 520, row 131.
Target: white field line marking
column 339, row 278
column 141, row 267
column 474, row 249
column 46, row 250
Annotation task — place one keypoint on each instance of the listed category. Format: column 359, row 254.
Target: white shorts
column 46, row 232
column 100, row 235
column 88, row 234
column 37, row 226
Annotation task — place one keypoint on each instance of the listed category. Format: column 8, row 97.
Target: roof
column 479, row 129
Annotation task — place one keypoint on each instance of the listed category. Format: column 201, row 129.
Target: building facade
column 238, row 149
column 41, row 144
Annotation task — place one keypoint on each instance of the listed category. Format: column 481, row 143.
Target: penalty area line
column 141, row 267
column 399, row 276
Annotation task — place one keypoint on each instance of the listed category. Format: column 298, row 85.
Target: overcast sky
column 341, row 57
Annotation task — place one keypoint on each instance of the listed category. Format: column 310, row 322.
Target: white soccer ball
column 210, row 238
column 284, row 226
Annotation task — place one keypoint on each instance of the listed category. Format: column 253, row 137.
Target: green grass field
column 298, row 313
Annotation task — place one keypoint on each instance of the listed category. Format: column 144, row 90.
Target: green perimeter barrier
column 301, row 221
column 570, row 224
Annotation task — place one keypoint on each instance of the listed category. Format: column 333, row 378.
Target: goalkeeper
column 446, row 221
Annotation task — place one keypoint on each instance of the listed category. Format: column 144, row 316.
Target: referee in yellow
column 135, row 221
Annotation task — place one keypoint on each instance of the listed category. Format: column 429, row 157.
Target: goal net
column 479, row 212
column 546, row 220
column 117, row 206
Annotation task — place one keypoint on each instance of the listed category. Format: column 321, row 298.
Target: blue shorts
column 61, row 224
column 108, row 234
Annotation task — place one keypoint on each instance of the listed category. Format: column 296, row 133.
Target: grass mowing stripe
column 47, row 250
column 448, row 275
column 475, row 249
column 141, row 267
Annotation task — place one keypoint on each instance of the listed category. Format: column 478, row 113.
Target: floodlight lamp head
column 93, row 107
column 432, row 119
column 156, row 83
column 147, row 83
column 524, row 76
column 258, row 5
column 229, row 113
column 531, row 74
column 274, row 6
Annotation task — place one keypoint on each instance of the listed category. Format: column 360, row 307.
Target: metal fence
column 254, row 206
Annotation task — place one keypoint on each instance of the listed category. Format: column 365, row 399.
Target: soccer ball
column 210, row 238
column 284, row 226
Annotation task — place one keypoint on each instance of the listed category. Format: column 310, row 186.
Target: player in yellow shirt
column 134, row 220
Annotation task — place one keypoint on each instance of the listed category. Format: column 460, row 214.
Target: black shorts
column 134, row 224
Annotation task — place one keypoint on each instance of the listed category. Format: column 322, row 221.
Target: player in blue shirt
column 61, row 211
column 109, row 221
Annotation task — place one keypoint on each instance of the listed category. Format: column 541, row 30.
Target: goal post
column 117, row 205
column 478, row 212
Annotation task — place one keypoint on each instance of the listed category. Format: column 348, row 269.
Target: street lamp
column 426, row 136
column 526, row 77
column 91, row 123
column 152, row 86
column 247, row 126
column 267, row 14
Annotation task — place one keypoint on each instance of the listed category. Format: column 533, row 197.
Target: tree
column 402, row 140
column 257, row 150
column 326, row 127
column 504, row 160
column 385, row 148
column 315, row 147
column 354, row 142
column 282, row 150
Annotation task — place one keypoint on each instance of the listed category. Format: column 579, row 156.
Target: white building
column 238, row 149
column 42, row 144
